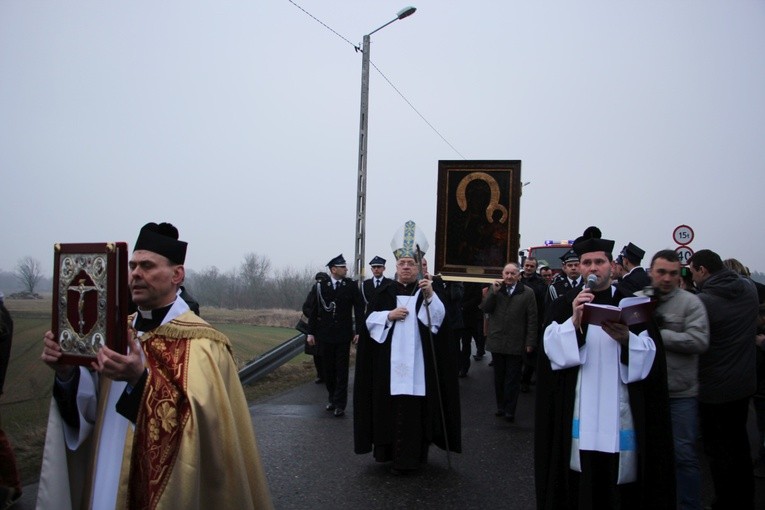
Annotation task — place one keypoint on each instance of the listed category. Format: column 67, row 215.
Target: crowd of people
column 624, row 407
column 620, row 410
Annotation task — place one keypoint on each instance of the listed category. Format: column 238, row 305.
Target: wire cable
column 357, row 48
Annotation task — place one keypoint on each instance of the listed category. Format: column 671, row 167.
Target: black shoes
column 318, row 380
column 477, row 357
column 337, row 411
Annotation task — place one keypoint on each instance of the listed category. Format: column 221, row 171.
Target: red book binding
column 632, row 310
column 91, row 297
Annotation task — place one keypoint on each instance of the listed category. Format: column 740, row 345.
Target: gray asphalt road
column 310, row 462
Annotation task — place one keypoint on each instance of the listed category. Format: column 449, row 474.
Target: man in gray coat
column 727, row 377
column 682, row 321
column 512, row 311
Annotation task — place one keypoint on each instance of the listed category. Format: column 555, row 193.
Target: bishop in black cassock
column 398, row 411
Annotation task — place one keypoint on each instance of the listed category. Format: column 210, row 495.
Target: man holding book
column 603, row 437
column 163, row 425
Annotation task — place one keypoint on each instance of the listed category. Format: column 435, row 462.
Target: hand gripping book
column 631, row 310
column 90, row 299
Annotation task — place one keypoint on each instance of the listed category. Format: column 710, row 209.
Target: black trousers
column 596, row 487
column 473, row 331
column 726, row 443
column 507, row 381
column 335, row 358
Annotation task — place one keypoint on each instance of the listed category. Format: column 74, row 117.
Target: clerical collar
column 406, row 288
column 151, row 319
column 604, row 296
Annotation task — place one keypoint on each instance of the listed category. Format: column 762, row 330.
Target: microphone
column 591, row 281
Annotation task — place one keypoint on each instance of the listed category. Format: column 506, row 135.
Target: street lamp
column 361, row 190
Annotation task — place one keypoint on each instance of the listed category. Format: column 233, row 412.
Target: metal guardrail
column 271, row 360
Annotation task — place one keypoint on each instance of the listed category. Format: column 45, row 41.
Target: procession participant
column 635, row 278
column 568, row 279
column 331, row 326
column 602, row 434
column 406, row 394
column 165, row 425
column 370, row 285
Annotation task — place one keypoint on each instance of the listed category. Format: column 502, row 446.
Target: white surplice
column 407, row 366
column 603, row 378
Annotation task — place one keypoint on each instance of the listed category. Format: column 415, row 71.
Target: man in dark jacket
column 533, row 280
column 370, row 286
column 512, row 310
column 727, row 377
column 332, row 325
column 636, row 278
column 569, row 279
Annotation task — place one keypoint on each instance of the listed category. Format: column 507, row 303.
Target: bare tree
column 28, row 273
column 253, row 274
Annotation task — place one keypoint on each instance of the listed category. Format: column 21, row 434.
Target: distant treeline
column 253, row 285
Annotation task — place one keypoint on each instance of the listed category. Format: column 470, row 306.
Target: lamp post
column 361, row 190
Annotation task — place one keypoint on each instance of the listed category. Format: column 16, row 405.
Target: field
column 24, row 405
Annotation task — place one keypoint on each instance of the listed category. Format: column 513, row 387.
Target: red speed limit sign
column 684, row 253
column 683, row 235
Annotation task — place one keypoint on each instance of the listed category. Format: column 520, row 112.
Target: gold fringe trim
column 188, row 326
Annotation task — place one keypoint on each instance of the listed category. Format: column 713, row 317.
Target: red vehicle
column 548, row 254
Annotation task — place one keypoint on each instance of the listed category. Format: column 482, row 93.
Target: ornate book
column 91, row 299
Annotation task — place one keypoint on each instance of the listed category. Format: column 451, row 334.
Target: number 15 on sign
column 683, row 235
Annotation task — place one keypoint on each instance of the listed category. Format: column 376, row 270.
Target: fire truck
column 548, row 254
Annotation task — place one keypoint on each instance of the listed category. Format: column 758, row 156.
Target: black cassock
column 557, row 486
column 399, row 428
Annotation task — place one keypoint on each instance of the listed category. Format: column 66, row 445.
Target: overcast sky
column 238, row 121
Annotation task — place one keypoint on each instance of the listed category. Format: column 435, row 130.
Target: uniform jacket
column 338, row 312
column 635, row 280
column 368, row 291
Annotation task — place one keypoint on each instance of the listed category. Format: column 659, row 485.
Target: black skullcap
column 582, row 246
column 633, row 253
column 338, row 261
column 377, row 261
column 162, row 239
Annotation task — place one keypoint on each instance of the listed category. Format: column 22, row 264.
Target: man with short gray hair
column 512, row 310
